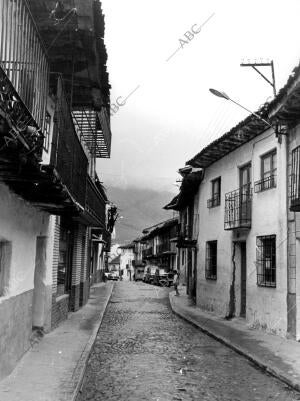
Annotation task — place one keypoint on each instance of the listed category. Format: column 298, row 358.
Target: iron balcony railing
column 295, row 181
column 94, row 127
column 23, row 57
column 214, row 201
column 238, row 208
column 19, row 126
column 265, row 183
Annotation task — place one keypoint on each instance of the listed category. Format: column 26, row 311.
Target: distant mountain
column 138, row 208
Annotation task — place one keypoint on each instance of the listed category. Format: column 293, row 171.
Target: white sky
column 171, row 116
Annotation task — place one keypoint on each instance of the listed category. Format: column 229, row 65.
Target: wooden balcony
column 147, row 253
column 23, row 57
column 24, row 78
column 73, row 32
column 185, row 237
column 238, row 208
column 166, row 248
column 19, row 130
column 67, row 154
column 95, row 208
column 24, row 88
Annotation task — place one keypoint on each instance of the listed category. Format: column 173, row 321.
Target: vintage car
column 112, row 275
column 159, row 274
column 139, row 273
column 149, row 274
column 165, row 278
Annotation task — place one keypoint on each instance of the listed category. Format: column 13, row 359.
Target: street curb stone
column 272, row 370
column 81, row 366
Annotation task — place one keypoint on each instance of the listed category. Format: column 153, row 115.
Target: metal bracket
column 270, row 64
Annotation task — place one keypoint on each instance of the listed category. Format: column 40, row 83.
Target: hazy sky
column 171, row 115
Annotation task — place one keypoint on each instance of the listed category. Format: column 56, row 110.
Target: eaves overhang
column 188, row 189
column 160, row 228
column 239, row 135
column 285, row 108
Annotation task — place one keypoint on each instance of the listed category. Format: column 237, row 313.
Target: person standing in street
column 176, row 282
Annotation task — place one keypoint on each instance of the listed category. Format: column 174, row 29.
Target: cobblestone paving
column 144, row 352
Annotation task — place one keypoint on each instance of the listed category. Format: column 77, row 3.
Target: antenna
column 261, row 63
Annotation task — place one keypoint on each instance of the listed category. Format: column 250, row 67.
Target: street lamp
column 225, row 96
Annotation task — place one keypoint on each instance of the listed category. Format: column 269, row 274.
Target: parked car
column 149, row 274
column 139, row 273
column 113, row 275
column 167, row 279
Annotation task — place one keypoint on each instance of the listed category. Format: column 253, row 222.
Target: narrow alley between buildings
column 145, row 352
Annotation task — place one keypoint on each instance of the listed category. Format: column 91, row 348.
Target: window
column 268, row 172
column 266, row 260
column 5, row 260
column 215, row 199
column 211, row 260
column 47, row 131
column 182, row 257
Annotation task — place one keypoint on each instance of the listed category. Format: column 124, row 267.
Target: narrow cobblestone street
column 144, row 352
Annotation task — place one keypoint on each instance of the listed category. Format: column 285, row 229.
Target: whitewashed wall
column 266, row 307
column 26, row 298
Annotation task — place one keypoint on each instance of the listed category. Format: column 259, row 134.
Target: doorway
column 194, row 289
column 243, row 279
column 40, row 291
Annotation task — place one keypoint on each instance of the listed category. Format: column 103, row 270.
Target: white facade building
column 126, row 258
column 242, row 251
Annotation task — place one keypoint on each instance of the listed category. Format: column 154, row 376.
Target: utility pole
column 255, row 66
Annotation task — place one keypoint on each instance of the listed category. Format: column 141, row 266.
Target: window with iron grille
column 266, row 260
column 211, row 260
column 215, row 199
column 268, row 172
